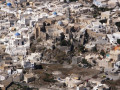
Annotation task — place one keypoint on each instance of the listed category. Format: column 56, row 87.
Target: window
column 22, row 42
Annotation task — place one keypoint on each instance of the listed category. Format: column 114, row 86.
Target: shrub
column 33, row 48
column 84, row 61
column 65, row 43
column 39, row 40
column 94, row 49
column 49, row 78
column 102, row 53
column 81, row 49
column 61, row 57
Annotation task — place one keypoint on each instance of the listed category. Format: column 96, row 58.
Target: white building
column 16, row 44
column 113, row 37
column 117, row 65
column 27, row 64
column 72, row 82
column 100, row 3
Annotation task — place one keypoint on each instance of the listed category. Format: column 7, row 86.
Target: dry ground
column 65, row 72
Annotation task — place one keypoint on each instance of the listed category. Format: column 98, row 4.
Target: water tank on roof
column 9, row 4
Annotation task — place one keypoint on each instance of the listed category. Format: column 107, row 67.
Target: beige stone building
column 95, row 35
column 29, row 78
column 105, row 15
column 115, row 55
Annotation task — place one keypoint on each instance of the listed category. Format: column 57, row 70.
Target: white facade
column 2, row 77
column 113, row 37
column 117, row 65
column 71, row 82
column 17, row 43
column 100, row 3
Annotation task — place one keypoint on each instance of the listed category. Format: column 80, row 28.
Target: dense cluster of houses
column 27, row 26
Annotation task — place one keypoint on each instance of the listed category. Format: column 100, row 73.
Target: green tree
column 118, row 41
column 65, row 43
column 49, row 78
column 102, row 53
column 84, row 61
column 118, row 25
column 94, row 49
column 81, row 49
